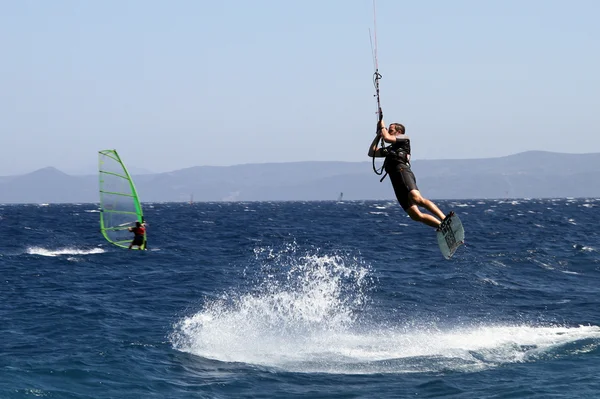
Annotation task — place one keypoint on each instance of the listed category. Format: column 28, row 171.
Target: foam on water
column 63, row 251
column 298, row 301
column 303, row 315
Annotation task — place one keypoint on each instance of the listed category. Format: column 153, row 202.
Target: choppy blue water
column 291, row 300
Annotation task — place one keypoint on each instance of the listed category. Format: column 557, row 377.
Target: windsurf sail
column 120, row 206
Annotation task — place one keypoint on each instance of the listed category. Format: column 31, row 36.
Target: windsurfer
column 139, row 232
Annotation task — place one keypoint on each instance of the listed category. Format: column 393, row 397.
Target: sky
column 176, row 84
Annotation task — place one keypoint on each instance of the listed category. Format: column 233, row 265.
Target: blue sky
column 175, row 84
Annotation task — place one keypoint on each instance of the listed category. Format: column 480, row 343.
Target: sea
column 331, row 299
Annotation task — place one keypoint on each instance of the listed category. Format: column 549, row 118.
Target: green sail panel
column 120, row 205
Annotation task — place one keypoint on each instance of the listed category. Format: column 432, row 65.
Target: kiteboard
column 450, row 235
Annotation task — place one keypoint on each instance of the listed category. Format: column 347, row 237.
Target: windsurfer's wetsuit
column 397, row 165
column 139, row 235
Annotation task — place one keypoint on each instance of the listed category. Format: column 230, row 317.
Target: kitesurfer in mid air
column 140, row 231
column 397, row 166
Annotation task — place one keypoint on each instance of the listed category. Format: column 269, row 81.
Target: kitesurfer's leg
column 417, row 199
column 415, row 214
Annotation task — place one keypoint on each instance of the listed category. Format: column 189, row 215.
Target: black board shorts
column 138, row 240
column 403, row 181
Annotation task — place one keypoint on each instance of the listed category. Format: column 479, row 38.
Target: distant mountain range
column 532, row 174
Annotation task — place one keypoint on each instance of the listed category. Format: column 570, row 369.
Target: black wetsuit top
column 397, row 165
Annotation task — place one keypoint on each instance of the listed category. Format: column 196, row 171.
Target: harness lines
column 376, row 78
column 392, row 149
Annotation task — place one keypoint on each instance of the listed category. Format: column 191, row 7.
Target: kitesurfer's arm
column 374, row 151
column 387, row 137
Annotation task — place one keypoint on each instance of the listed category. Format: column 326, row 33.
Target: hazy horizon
column 93, row 169
column 524, row 175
